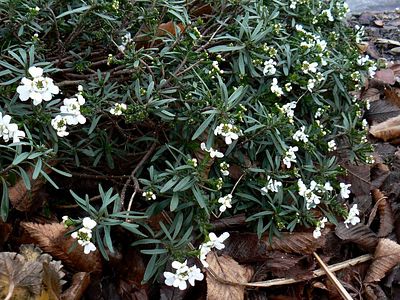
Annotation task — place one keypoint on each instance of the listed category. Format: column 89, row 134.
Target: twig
column 332, row 277
column 286, row 281
column 132, row 176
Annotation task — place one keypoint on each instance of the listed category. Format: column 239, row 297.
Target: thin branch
column 286, row 281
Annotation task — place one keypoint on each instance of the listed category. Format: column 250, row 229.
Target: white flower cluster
column 328, row 14
column 310, row 194
column 353, row 216
column 126, row 40
column 300, row 135
column 332, row 145
column 70, row 114
column 288, row 110
column 216, row 68
column 84, row 234
column 319, row 113
column 345, row 190
column 269, row 67
column 226, row 202
column 149, row 195
column 213, row 152
column 118, row 109
column 10, row 130
column 275, row 88
column 360, row 32
column 39, row 88
column 320, row 225
column 213, row 242
column 294, row 3
column 342, row 9
column 192, row 162
column 224, row 168
column 290, row 156
column 229, row 131
column 272, row 185
column 182, row 274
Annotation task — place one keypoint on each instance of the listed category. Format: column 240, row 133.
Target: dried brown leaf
column 360, row 178
column 51, row 238
column 371, row 94
column 379, row 173
column 387, row 255
column 246, row 247
column 385, row 213
column 360, row 234
column 381, row 111
column 23, row 199
column 374, row 292
column 18, row 277
column 51, row 281
column 393, row 96
column 80, row 282
column 387, row 130
column 5, row 231
column 385, row 76
column 296, row 242
column 226, row 268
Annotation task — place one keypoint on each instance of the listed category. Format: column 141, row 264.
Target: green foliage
column 181, row 74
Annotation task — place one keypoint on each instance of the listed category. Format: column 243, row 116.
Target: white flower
column 288, row 109
column 353, row 218
column 118, row 109
column 288, row 87
column 213, row 242
column 88, row 247
column 10, row 130
column 226, row 202
column 307, row 67
column 269, row 67
column 290, row 156
column 312, row 199
column 318, row 113
column 192, row 162
column 275, row 88
column 299, row 135
column 328, row 187
column 89, row 223
column 311, row 84
column 213, row 152
column 38, row 89
column 149, row 195
column 317, row 233
column 229, row 131
column 332, row 145
column 80, row 88
column 59, row 123
column 272, row 185
column 126, row 39
column 83, row 234
column 71, row 110
column 224, row 168
column 328, row 14
column 195, row 274
column 345, row 190
column 218, row 242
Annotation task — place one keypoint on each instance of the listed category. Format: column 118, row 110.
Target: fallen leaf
column 387, row 130
column 228, row 223
column 385, row 76
column 387, row 255
column 5, row 231
column 381, row 111
column 359, row 234
column 51, row 278
column 226, row 268
column 395, row 50
column 363, row 46
column 379, row 23
column 392, row 95
column 379, row 173
column 359, row 176
column 385, row 213
column 371, row 94
column 80, row 282
column 247, row 247
column 169, row 27
column 18, row 277
column 374, row 292
column 51, row 238
column 23, row 199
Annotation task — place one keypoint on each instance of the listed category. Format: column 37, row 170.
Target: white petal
column 89, row 223
column 35, row 71
column 182, row 285
column 23, row 92
column 47, row 96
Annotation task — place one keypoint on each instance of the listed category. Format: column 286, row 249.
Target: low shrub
column 189, row 111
